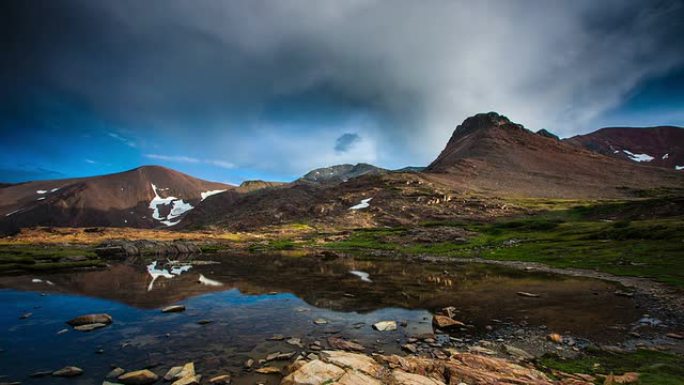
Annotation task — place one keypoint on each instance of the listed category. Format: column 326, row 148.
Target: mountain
column 340, row 173
column 661, row 146
column 489, row 154
column 145, row 197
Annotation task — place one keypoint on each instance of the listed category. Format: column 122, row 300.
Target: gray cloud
column 346, row 141
column 414, row 70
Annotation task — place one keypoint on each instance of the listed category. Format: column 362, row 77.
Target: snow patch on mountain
column 665, row 156
column 365, row 203
column 638, row 157
column 41, row 192
column 679, row 168
column 178, row 207
column 207, row 194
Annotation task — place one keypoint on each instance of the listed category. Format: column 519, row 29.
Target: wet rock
column 295, row 341
column 204, row 322
column 172, row 373
column 314, row 373
column 174, row 309
column 87, row 319
column 248, row 364
column 115, row 373
column 138, row 377
column 411, row 348
column 341, row 344
column 444, row 322
column 222, row 379
column 268, row 370
column 278, row 356
column 385, row 326
column 68, row 371
column 277, row 337
column 449, row 311
column 89, row 327
column 320, row 321
column 43, row 373
column 676, row 336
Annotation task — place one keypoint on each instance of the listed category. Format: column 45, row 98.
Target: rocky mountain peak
column 485, row 121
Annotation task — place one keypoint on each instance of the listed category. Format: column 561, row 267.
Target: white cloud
column 189, row 159
column 89, row 161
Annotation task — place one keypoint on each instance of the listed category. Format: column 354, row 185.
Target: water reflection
column 251, row 297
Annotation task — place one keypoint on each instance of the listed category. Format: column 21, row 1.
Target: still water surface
column 249, row 298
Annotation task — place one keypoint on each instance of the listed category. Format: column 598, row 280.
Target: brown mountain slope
column 491, row 155
column 144, row 197
column 661, row 146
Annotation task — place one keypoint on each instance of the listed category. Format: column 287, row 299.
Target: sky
column 251, row 89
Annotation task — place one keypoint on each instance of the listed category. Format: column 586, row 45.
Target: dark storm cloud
column 346, row 141
column 210, row 73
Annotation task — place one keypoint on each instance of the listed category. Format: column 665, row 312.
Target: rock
column 87, row 319
column 341, row 344
column 518, row 353
column 627, row 378
column 320, row 321
column 89, row 327
column 172, row 373
column 68, row 371
column 278, row 356
column 138, row 377
column 481, row 350
column 676, row 336
column 401, row 377
column 63, row 331
column 385, row 326
column 555, row 337
column 43, row 373
column 248, row 364
column 115, row 373
column 276, row 337
column 357, row 378
column 444, row 322
column 25, row 315
column 268, row 370
column 354, row 361
column 222, row 379
column 110, row 383
column 526, row 294
column 204, row 322
column 173, row 309
column 315, row 372
column 295, row 341
column 188, row 380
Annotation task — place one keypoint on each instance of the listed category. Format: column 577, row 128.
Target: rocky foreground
column 344, row 368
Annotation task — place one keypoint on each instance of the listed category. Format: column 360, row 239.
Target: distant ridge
column 340, row 173
column 661, row 146
column 145, row 197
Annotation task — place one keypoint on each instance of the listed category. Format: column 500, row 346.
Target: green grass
column 655, row 368
column 577, row 237
column 24, row 258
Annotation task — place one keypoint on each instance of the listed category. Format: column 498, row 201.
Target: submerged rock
column 102, row 318
column 342, row 344
column 68, row 371
column 173, row 309
column 89, row 327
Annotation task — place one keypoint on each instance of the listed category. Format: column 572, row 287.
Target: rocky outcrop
column 344, row 368
column 124, row 249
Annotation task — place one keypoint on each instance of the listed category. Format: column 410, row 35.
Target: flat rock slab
column 86, row 319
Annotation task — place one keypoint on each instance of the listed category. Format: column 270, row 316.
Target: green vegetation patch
column 655, row 368
column 26, row 258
